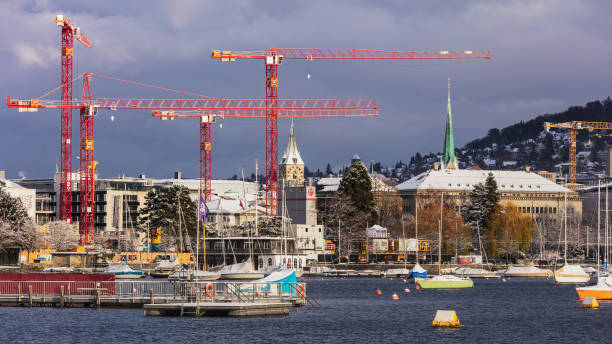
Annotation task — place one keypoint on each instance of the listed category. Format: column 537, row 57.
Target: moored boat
column 601, row 291
column 527, row 271
column 241, row 271
column 571, row 274
column 187, row 274
column 417, row 272
column 445, row 282
column 123, row 270
column 475, row 273
column 400, row 272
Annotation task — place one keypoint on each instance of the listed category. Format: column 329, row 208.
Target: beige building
column 530, row 192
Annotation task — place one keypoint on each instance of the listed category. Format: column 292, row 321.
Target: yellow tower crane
column 573, row 126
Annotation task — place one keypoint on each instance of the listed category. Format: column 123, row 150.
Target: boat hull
column 128, row 275
column 571, row 279
column 532, row 275
column 433, row 284
column 242, row 276
column 598, row 294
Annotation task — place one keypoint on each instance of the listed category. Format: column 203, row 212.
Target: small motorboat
column 445, row 282
column 123, row 271
column 398, row 272
column 475, row 273
column 166, row 265
column 188, row 274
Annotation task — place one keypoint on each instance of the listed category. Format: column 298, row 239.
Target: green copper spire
column 449, row 159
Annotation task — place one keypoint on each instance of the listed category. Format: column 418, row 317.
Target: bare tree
column 23, row 237
column 62, row 236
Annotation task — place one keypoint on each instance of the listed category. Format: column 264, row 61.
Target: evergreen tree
column 357, row 184
column 547, row 153
column 483, row 204
column 328, row 170
column 492, row 194
column 161, row 209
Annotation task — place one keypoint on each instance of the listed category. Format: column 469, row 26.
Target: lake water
column 518, row 311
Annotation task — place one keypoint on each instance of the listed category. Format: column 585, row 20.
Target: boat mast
column 440, row 234
column 598, row 221
column 180, row 233
column 249, row 231
column 607, row 232
column 565, row 222
column 416, row 224
column 403, row 238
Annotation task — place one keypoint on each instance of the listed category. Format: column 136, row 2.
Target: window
column 269, row 261
column 306, row 230
column 319, row 230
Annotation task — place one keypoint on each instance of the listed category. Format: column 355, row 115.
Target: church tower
column 291, row 167
column 449, row 160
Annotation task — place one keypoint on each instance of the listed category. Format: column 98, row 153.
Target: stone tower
column 291, row 168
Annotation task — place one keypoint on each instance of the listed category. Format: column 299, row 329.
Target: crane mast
column 68, row 34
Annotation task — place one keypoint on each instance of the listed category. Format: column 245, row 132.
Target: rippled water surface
column 518, row 311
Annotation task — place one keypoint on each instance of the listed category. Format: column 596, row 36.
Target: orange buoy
column 406, row 290
column 556, row 282
column 394, row 297
column 503, row 280
column 417, row 287
column 378, row 292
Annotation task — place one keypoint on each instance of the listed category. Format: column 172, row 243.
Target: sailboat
column 417, row 270
column 603, row 289
column 244, row 270
column 443, row 281
column 569, row 273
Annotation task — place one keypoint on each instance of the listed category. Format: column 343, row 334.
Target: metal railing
column 199, row 291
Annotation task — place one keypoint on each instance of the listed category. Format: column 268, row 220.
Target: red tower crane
column 244, row 108
column 274, row 56
column 285, row 108
column 69, row 32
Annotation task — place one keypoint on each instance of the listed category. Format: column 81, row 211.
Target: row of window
column 539, row 210
column 297, row 263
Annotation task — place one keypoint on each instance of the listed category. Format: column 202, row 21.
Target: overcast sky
column 546, row 55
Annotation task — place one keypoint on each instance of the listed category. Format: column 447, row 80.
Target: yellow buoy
column 589, row 302
column 446, row 319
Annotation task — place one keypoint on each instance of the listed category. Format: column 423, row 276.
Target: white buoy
column 112, row 118
column 406, row 290
column 220, row 125
column 308, row 76
column 404, row 281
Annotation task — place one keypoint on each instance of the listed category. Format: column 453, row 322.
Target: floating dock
column 229, row 309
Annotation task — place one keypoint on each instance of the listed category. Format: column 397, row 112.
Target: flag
column 202, row 209
column 241, row 204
